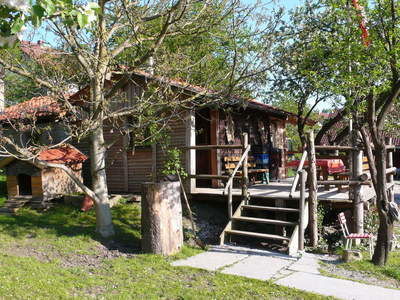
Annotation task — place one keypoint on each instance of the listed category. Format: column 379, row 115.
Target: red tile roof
column 39, row 52
column 65, row 154
column 35, row 107
column 47, row 106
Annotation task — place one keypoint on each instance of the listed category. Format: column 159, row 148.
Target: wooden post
column 230, row 201
column 358, row 204
column 302, row 174
column 312, row 190
column 191, row 154
column 245, row 173
column 350, row 156
column 161, row 218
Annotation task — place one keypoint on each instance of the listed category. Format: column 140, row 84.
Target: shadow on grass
column 67, row 221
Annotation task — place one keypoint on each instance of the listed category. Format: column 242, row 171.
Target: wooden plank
column 265, row 221
column 270, row 208
column 343, row 182
column 335, row 147
column 208, row 147
column 207, row 176
column 258, row 235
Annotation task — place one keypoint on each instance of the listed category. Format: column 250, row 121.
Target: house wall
column 55, row 182
column 177, row 138
column 139, row 168
column 262, row 130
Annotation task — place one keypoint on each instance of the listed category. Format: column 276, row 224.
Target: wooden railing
column 243, row 162
column 245, row 180
column 297, row 176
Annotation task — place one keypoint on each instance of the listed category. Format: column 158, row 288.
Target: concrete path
column 301, row 272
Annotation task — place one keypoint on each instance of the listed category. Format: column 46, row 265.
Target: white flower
column 90, row 11
column 22, row 5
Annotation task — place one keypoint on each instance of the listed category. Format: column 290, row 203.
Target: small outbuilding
column 28, row 183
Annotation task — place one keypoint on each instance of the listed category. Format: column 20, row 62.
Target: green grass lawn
column 390, row 270
column 56, row 254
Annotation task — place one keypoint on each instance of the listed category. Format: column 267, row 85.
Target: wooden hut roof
column 64, row 154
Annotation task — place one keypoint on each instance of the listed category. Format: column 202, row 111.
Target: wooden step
column 270, row 208
column 258, row 235
column 265, row 221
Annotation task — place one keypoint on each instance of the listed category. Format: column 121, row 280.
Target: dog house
column 25, row 180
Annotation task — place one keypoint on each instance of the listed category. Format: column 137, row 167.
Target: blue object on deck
column 261, row 159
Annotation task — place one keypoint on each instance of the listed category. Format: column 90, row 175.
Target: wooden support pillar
column 312, row 190
column 245, row 173
column 214, row 133
column 358, row 204
column 191, row 154
column 302, row 174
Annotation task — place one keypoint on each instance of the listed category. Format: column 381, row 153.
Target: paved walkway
column 301, row 273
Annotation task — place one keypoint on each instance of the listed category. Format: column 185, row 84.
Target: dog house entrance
column 25, row 184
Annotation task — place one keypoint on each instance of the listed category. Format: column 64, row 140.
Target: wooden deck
column 281, row 190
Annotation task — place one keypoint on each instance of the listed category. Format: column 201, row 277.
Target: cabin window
column 24, row 184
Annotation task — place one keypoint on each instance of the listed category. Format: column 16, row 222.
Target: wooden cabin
column 26, row 182
column 127, row 169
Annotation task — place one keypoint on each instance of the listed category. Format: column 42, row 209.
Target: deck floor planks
column 281, row 190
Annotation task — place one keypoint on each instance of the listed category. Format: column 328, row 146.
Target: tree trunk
column 99, row 181
column 385, row 230
column 161, row 221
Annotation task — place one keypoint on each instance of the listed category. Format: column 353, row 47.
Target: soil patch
column 50, row 254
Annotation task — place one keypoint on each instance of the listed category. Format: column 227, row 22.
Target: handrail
column 299, row 168
column 210, row 147
column 230, row 180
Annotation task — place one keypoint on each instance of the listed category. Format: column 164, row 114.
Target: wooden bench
column 230, row 163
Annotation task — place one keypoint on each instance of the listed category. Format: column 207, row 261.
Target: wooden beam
column 191, row 154
column 334, row 147
column 209, row 176
column 343, row 182
column 207, row 147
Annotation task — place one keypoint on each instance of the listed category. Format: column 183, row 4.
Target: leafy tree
column 359, row 69
column 106, row 35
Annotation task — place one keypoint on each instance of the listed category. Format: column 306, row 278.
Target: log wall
column 55, row 183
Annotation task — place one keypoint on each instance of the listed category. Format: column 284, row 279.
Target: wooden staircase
column 269, row 222
column 12, row 204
